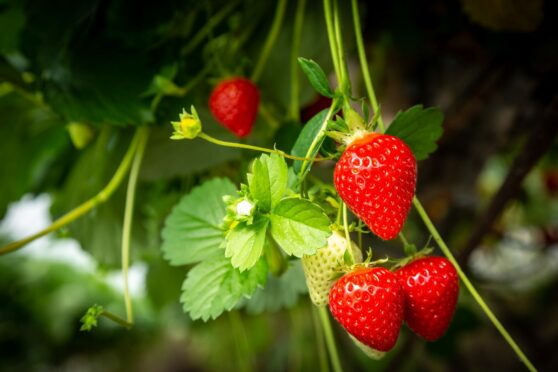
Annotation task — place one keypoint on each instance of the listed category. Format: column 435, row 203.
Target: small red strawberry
column 234, row 103
column 369, row 303
column 431, row 287
column 376, row 177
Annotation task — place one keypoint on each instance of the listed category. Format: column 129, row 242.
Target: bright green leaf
column 268, row 180
column 193, row 231
column 306, row 137
column 316, row 76
column 214, row 286
column 299, row 226
column 279, row 292
column 419, row 128
column 245, row 243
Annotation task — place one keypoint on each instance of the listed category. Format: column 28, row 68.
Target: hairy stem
column 128, row 216
column 271, row 37
column 79, row 211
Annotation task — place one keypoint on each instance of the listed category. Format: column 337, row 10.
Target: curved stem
column 216, row 141
column 330, row 340
column 294, row 108
column 79, row 211
column 443, row 246
column 115, row 318
column 332, row 40
column 364, row 64
column 128, row 214
column 271, row 37
column 346, row 228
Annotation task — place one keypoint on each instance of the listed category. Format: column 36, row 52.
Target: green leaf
column 268, row 180
column 245, row 243
column 316, row 76
column 299, row 226
column 214, row 286
column 419, row 128
column 279, row 292
column 193, row 231
column 305, row 139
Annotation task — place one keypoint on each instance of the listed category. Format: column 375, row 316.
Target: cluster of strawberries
column 376, row 177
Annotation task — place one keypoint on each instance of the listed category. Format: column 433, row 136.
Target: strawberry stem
column 294, row 108
column 330, row 340
column 127, row 225
column 443, row 246
column 219, row 142
column 82, row 209
column 332, row 41
column 271, row 37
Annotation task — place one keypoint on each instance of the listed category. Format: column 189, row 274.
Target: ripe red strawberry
column 376, row 177
column 431, row 287
column 369, row 303
column 234, row 103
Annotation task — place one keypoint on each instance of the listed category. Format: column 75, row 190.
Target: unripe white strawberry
column 321, row 268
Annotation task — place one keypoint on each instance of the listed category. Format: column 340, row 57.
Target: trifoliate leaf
column 268, row 180
column 419, row 128
column 245, row 243
column 193, row 230
column 279, row 292
column 305, row 139
column 214, row 286
column 316, row 76
column 299, row 226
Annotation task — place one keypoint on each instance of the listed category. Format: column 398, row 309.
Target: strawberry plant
column 230, row 194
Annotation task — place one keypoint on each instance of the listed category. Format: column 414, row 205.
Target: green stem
column 324, row 367
column 216, row 141
column 403, row 239
column 206, row 29
column 332, row 41
column 115, row 318
column 364, row 64
column 294, row 108
column 330, row 340
column 128, row 215
column 345, row 82
column 271, row 37
column 347, row 235
column 82, row 209
column 319, row 136
column 443, row 246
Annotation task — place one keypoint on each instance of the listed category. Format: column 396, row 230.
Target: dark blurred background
column 99, row 66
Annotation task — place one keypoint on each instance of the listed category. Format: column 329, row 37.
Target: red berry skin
column 376, row 177
column 369, row 304
column 431, row 287
column 234, row 103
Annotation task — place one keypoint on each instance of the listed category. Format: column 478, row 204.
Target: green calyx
column 189, row 126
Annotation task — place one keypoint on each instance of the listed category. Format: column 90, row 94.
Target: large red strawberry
column 431, row 287
column 376, row 177
column 234, row 103
column 369, row 303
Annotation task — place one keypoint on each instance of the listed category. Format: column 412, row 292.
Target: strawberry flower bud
column 244, row 208
column 188, row 127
